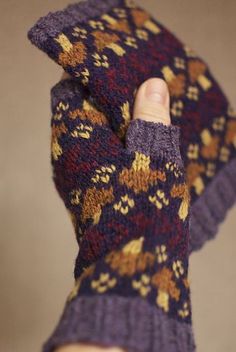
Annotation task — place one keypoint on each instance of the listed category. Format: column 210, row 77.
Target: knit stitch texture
column 111, row 47
column 129, row 204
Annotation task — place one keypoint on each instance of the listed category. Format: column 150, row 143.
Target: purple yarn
column 211, row 208
column 54, row 23
column 154, row 138
column 130, row 323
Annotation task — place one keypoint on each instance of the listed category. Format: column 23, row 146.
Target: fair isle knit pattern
column 130, row 208
column 111, row 47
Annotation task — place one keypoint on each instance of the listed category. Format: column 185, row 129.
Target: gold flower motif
column 161, row 254
column 104, row 283
column 142, row 285
column 56, row 149
column 179, row 62
column 80, row 33
column 224, row 154
column 121, row 13
column 100, row 60
column 177, row 108
column 193, row 93
column 219, row 123
column 131, row 41
column 103, row 174
column 61, row 107
column 84, row 75
column 193, row 151
column 124, row 205
column 142, row 34
column 178, row 268
column 75, row 196
column 97, row 25
column 173, row 167
column 159, row 199
column 183, row 313
column 83, row 131
column 210, row 170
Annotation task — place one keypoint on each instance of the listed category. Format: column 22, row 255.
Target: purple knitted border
column 211, row 207
column 53, row 23
column 130, row 323
column 154, row 139
column 64, row 90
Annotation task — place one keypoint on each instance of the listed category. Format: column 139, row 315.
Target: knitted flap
column 111, row 47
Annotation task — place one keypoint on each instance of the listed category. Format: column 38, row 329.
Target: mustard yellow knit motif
column 86, row 273
column 61, row 107
column 124, row 205
column 161, row 253
column 56, row 149
column 125, row 109
column 197, row 72
column 134, row 246
column 104, row 283
column 182, row 192
column 185, row 311
column 105, row 40
column 103, row 174
column 142, row 285
column 73, row 54
column 75, row 197
column 80, row 32
column 84, row 75
column 178, row 268
column 159, row 199
column 142, row 19
column 83, row 131
column 100, row 60
column 140, row 176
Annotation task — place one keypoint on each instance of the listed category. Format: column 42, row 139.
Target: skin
column 152, row 104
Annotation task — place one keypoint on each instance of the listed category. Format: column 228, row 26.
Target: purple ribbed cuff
column 130, row 323
column 65, row 90
column 210, row 209
column 52, row 24
column 154, row 139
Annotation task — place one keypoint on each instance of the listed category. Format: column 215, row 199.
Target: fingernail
column 155, row 91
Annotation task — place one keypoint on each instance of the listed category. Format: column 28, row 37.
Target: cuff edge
column 54, row 22
column 131, row 323
column 154, row 138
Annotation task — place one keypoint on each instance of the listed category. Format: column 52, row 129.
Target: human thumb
column 152, row 102
column 150, row 131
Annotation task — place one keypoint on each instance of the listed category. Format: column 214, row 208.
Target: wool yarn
column 129, row 204
column 111, row 47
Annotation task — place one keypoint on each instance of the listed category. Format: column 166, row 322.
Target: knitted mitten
column 111, row 47
column 129, row 206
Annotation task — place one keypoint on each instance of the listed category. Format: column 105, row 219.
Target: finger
column 151, row 132
column 152, row 102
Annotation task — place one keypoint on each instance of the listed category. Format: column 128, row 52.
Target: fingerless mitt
column 111, row 47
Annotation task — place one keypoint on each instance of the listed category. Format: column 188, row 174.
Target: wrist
column 83, row 347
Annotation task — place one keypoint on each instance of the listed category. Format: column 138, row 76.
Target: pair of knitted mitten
column 130, row 208
column 111, row 47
